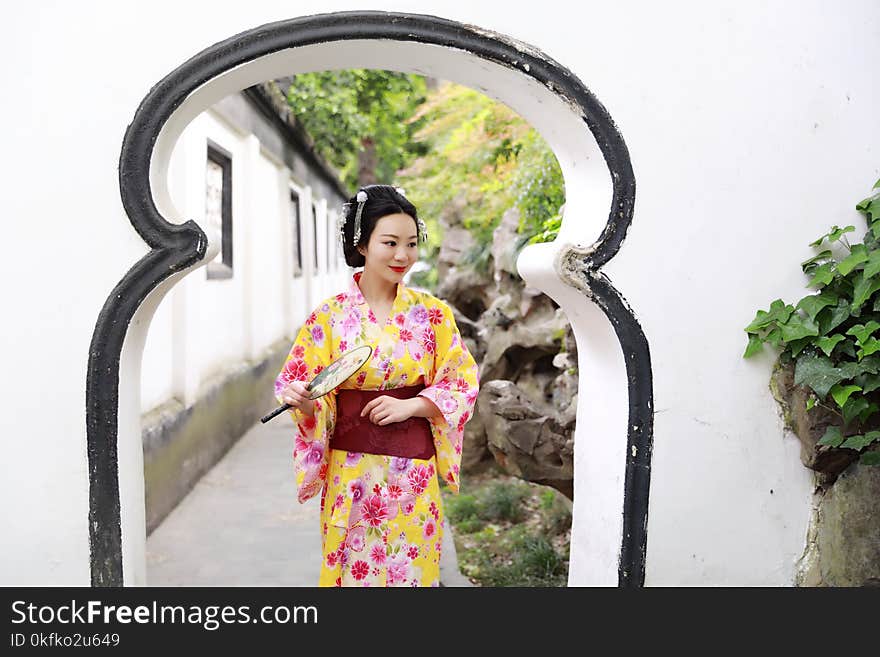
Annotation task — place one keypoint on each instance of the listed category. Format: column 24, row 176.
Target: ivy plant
column 833, row 335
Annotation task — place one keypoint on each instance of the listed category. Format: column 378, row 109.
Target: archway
column 535, row 86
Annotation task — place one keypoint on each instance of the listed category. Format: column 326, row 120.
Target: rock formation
column 528, row 362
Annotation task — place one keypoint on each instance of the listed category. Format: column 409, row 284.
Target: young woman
column 376, row 446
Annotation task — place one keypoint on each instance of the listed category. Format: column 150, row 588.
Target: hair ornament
column 361, row 199
column 340, row 223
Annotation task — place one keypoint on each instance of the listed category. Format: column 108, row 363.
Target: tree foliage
column 352, row 111
column 482, row 159
column 460, row 155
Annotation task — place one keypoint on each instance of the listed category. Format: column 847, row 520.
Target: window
column 218, row 209
column 296, row 229
column 315, row 233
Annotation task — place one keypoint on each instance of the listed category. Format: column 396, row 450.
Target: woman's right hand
column 296, row 394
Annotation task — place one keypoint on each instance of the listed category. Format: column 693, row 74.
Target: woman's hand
column 385, row 410
column 296, row 394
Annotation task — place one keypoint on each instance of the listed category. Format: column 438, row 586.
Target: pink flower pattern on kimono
column 351, row 325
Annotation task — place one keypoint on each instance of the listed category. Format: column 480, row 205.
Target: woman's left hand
column 385, row 410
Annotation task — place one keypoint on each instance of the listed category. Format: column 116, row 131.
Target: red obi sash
column 411, row 438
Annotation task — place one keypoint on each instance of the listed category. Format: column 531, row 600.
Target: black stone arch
column 175, row 247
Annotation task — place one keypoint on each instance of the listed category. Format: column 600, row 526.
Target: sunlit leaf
column 841, row 393
column 755, row 346
column 862, row 331
column 828, row 343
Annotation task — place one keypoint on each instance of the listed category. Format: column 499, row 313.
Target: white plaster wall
column 230, row 320
column 266, row 226
column 751, row 126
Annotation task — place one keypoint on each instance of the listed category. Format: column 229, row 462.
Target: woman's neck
column 376, row 290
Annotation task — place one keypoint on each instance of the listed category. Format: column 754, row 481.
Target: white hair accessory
column 361, row 199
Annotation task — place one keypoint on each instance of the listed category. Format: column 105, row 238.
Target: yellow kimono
column 381, row 516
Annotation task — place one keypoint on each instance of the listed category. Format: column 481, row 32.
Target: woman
column 376, row 446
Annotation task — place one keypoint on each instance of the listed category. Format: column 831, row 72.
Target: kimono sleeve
column 453, row 389
column 309, row 354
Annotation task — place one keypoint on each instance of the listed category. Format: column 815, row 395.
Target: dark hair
column 382, row 200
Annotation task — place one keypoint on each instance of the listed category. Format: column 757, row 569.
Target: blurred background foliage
column 453, row 149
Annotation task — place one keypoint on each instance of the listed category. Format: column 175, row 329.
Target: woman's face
column 392, row 249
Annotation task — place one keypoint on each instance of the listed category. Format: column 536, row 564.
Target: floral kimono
column 381, row 516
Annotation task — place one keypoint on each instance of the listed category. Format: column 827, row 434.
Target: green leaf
column 813, row 303
column 755, row 346
column 831, row 438
column 811, row 402
column 822, row 255
column 823, row 275
column 817, row 372
column 842, row 393
column 860, row 442
column 868, row 382
column 853, row 407
column 836, row 233
column 870, row 347
column 870, row 364
column 865, row 286
column 774, row 337
column 779, row 312
column 871, row 207
column 862, row 331
column 831, row 318
column 857, row 256
column 849, row 369
column 827, row 344
column 872, row 267
column 797, row 346
column 870, row 458
column 875, row 229
column 848, row 348
column 796, row 328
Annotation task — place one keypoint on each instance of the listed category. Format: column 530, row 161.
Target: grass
column 510, row 532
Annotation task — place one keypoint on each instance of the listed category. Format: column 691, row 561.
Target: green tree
column 482, row 159
column 360, row 120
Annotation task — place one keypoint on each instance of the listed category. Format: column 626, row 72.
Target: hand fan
column 331, row 376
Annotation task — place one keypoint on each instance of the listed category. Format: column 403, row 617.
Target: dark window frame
column 315, row 233
column 223, row 269
column 297, row 234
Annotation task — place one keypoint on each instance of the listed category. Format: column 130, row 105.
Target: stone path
column 242, row 526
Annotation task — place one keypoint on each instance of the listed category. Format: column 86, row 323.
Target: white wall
column 750, row 125
column 224, row 322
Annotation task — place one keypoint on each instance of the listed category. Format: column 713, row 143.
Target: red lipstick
column 399, row 270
